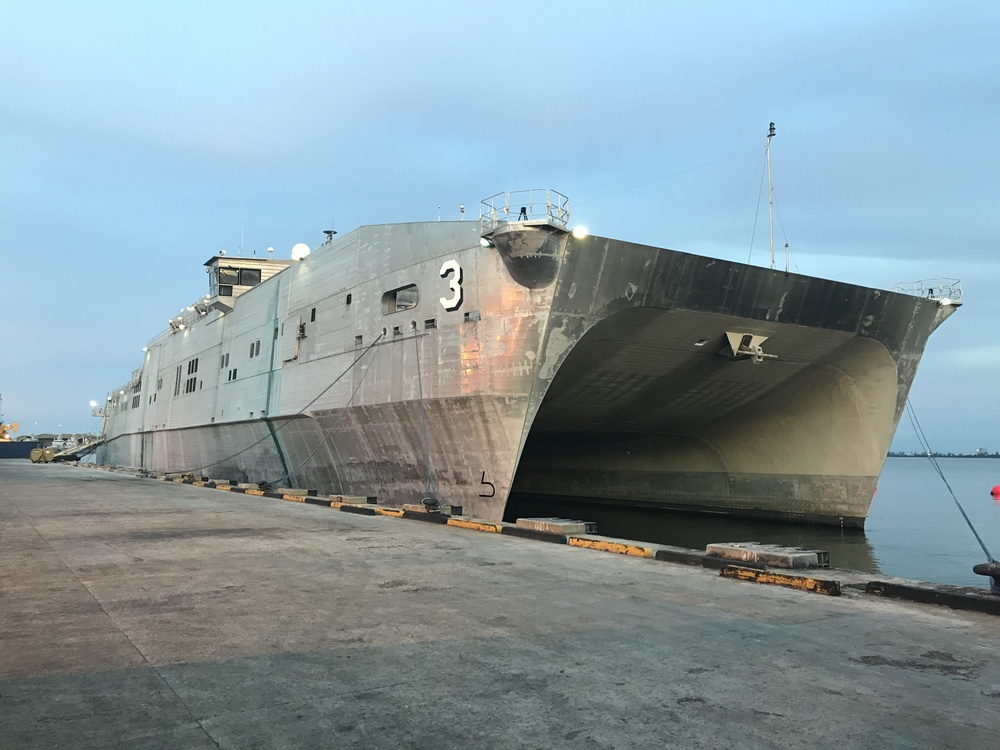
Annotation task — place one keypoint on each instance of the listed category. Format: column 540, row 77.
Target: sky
column 137, row 139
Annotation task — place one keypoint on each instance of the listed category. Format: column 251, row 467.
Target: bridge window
column 230, row 277
column 249, row 276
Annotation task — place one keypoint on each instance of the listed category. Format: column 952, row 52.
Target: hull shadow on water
column 849, row 548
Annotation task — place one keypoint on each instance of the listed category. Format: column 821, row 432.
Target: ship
column 458, row 362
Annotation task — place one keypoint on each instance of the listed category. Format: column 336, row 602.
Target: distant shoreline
column 943, row 455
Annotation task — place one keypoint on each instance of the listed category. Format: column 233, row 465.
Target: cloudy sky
column 137, row 139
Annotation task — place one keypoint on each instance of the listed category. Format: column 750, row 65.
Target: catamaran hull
column 588, row 368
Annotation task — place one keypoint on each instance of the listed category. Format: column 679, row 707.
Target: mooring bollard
column 992, row 570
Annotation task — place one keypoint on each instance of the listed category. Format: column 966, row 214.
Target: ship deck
column 152, row 614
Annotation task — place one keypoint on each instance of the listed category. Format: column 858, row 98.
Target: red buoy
column 996, row 491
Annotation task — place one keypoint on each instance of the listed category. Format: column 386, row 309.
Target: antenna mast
column 770, row 191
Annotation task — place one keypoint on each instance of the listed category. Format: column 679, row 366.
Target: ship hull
column 546, row 365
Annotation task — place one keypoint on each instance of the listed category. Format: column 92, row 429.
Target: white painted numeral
column 455, row 284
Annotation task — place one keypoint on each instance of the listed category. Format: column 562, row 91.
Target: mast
column 770, row 192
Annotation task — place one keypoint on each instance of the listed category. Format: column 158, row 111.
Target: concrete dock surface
column 144, row 614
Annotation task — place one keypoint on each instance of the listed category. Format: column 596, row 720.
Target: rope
column 282, row 425
column 329, row 432
column 667, row 177
column 930, row 456
column 431, row 490
column 740, row 209
column 756, row 214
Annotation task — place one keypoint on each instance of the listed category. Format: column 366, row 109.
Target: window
column 250, row 276
column 357, row 341
column 255, row 349
column 404, row 298
column 472, row 317
column 135, row 401
column 192, row 382
column 312, row 316
column 431, row 323
column 238, row 276
column 225, row 290
column 348, row 299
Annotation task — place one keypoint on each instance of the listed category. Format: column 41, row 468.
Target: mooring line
column 432, row 492
column 270, row 435
column 930, row 456
column 329, row 432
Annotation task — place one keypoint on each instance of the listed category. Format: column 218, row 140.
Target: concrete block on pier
column 352, row 499
column 769, row 554
column 556, row 525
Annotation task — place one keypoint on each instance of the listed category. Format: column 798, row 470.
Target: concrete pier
column 144, row 614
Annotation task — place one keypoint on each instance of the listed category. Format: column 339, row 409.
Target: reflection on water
column 913, row 531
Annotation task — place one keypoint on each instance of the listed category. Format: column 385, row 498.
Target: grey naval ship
column 465, row 360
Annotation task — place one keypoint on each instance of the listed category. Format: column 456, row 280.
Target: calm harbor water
column 914, row 529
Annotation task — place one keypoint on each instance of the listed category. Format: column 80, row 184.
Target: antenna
column 331, row 231
column 461, row 210
column 770, row 192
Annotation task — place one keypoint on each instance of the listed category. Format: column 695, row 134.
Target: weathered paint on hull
column 372, row 450
column 587, row 367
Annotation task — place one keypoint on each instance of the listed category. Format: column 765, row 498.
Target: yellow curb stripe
column 223, row 487
column 198, row 484
column 258, row 493
column 293, row 498
column 618, row 548
column 177, row 481
column 461, row 523
column 388, row 512
column 814, row 585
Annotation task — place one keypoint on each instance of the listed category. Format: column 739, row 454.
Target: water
column 914, row 529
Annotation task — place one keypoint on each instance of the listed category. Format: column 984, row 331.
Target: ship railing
column 187, row 317
column 531, row 207
column 937, row 289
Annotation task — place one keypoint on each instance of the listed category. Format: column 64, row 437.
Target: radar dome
column 300, row 250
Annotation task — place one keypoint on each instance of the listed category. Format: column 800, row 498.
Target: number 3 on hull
column 455, row 284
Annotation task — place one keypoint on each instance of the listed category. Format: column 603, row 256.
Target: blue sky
column 137, row 139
